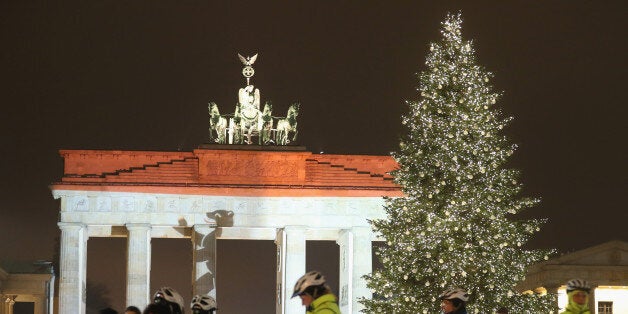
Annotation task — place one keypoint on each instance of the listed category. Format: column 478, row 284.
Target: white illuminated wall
column 617, row 295
column 562, row 299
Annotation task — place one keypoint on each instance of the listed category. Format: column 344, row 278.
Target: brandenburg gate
column 264, row 191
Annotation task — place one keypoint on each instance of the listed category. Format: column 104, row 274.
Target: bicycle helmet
column 203, row 302
column 578, row 284
column 312, row 278
column 454, row 293
column 170, row 296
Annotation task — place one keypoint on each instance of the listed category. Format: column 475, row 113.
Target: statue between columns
column 248, row 122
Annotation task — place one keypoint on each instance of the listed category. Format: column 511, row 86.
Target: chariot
column 248, row 124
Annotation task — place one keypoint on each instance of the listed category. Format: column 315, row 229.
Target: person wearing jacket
column 315, row 294
column 578, row 296
column 453, row 301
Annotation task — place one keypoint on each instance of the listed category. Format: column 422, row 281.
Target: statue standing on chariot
column 248, row 122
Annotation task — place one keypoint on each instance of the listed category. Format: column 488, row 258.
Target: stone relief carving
column 126, row 204
column 103, row 204
column 193, row 205
column 80, row 204
column 171, row 204
column 240, row 205
column 150, row 204
column 252, row 168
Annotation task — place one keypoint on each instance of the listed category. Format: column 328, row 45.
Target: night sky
column 138, row 76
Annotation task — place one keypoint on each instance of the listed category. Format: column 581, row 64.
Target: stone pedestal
column 73, row 268
column 138, row 265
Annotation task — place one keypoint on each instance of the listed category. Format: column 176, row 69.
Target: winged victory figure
column 248, row 61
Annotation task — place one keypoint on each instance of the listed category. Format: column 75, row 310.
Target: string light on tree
column 457, row 212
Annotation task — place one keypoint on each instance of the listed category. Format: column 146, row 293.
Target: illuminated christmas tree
column 456, row 225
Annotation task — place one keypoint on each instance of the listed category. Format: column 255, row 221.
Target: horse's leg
column 294, row 138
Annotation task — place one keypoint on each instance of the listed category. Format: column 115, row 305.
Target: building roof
column 603, row 264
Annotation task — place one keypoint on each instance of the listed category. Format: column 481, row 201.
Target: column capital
column 361, row 230
column 70, row 225
column 138, row 226
column 294, row 228
column 344, row 235
column 7, row 298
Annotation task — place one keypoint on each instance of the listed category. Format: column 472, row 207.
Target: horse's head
column 293, row 112
column 214, row 114
column 268, row 108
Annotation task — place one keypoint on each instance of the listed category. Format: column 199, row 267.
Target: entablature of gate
column 243, row 193
column 228, row 172
column 119, row 209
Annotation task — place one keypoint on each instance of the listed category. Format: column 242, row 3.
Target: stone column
column 6, row 303
column 592, row 301
column 9, row 302
column 355, row 262
column 362, row 265
column 345, row 294
column 138, row 264
column 280, row 300
column 50, row 293
column 290, row 267
column 204, row 256
column 73, row 264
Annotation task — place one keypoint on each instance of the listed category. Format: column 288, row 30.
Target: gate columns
column 291, row 265
column 355, row 262
column 73, row 261
column 138, row 265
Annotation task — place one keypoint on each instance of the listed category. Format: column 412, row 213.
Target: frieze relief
column 126, row 204
column 148, row 204
column 79, row 204
column 193, row 205
column 215, row 204
column 253, row 168
column 240, row 205
column 103, row 204
column 170, row 204
column 143, row 203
